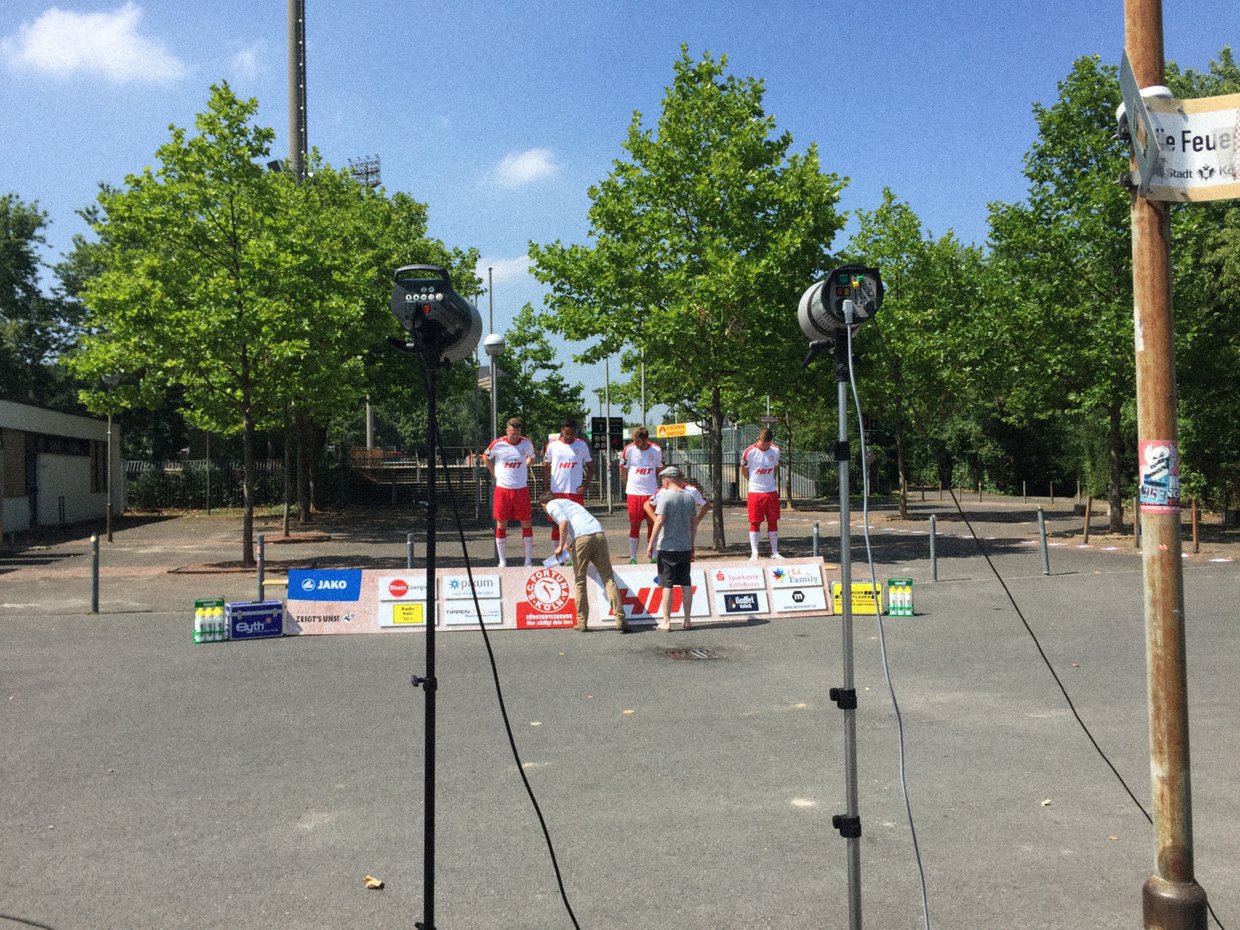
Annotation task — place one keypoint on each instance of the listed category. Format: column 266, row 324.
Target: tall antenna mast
column 297, row 144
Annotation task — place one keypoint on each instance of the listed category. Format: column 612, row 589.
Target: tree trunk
column 716, row 467
column 288, row 467
column 900, row 469
column 303, row 470
column 1115, row 451
column 247, row 488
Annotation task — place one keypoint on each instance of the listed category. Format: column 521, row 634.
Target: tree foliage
column 703, row 237
column 34, row 327
column 254, row 297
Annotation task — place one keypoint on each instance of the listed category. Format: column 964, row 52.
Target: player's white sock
column 633, row 541
column 501, row 547
column 529, row 549
column 753, row 544
column 774, row 540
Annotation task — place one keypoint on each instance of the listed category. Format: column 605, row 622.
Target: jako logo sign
column 329, row 585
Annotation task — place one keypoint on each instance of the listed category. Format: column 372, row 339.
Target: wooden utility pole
column 1171, row 898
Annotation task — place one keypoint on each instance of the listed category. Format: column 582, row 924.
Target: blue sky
column 500, row 115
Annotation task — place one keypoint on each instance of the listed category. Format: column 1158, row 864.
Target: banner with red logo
column 540, row 598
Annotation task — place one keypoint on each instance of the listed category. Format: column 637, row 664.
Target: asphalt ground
column 149, row 782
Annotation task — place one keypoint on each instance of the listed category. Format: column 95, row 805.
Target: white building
column 54, row 468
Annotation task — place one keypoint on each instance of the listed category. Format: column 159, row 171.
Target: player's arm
column 744, row 466
column 486, row 460
column 654, row 534
column 587, row 477
column 564, row 531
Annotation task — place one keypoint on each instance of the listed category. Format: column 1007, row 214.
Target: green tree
column 252, row 297
column 1060, row 309
column 703, row 238
column 531, row 383
column 920, row 354
column 1205, row 243
column 35, row 328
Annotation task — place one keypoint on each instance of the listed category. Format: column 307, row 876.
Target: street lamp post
column 110, row 381
column 494, row 347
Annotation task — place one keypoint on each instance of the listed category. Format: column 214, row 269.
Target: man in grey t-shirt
column 675, row 520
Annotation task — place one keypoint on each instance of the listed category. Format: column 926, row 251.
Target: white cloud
column 503, row 270
column 251, row 62
column 63, row 43
column 519, row 169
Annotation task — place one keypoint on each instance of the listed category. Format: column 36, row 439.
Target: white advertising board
column 326, row 601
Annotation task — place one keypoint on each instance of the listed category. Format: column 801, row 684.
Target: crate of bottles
column 899, row 597
column 210, row 625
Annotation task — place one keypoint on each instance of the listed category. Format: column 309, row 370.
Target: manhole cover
column 690, row 654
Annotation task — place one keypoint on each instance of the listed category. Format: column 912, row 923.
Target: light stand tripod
column 848, row 823
column 829, row 312
column 445, row 328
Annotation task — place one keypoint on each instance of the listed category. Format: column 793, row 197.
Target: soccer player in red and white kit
column 640, row 464
column 568, row 468
column 508, row 460
column 760, row 464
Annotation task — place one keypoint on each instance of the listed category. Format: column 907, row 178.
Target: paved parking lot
column 149, row 782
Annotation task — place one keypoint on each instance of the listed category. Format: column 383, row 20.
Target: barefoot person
column 676, row 518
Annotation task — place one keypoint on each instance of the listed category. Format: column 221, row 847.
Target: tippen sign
column 338, row 584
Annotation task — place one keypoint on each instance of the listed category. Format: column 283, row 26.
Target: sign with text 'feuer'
column 1198, row 143
column 1185, row 149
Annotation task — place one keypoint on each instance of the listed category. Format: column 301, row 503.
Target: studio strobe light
column 444, row 328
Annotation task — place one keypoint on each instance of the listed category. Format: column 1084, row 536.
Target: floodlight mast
column 444, row 328
column 828, row 312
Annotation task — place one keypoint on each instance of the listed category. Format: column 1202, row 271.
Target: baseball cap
column 671, row 472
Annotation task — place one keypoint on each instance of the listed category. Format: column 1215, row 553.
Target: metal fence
column 383, row 477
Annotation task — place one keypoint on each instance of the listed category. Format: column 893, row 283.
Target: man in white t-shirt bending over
column 583, row 535
column 508, row 460
column 640, row 464
column 760, row 464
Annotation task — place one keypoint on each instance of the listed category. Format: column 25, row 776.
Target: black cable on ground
column 499, row 691
column 1058, row 681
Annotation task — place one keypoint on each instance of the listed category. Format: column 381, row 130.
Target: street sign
column 768, row 419
column 1186, row 150
column 675, row 430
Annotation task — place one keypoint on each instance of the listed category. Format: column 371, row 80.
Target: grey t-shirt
column 677, row 508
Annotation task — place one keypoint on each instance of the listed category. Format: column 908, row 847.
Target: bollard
column 979, row 492
column 1088, row 502
column 1078, row 490
column 1046, row 553
column 262, row 563
column 409, row 551
column 1024, row 493
column 94, row 573
column 1052, row 492
column 934, row 561
column 817, row 529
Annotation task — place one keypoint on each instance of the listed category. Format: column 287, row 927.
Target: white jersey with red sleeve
column 763, row 468
column 643, row 466
column 568, row 462
column 698, row 498
column 511, row 462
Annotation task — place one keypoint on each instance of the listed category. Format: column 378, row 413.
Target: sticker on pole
column 1160, row 475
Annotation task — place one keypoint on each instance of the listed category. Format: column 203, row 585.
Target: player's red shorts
column 637, row 513
column 764, row 506
column 511, row 504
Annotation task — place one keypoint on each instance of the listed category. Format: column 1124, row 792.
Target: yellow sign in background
column 409, row 614
column 865, row 597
